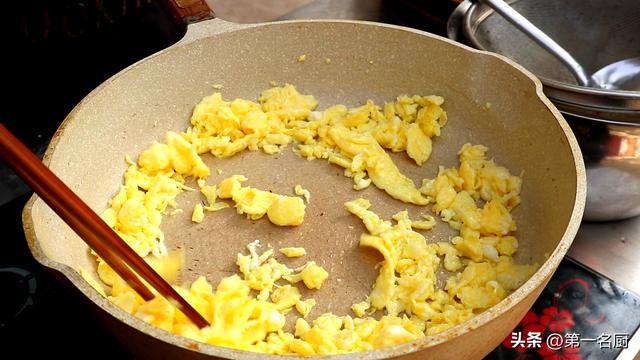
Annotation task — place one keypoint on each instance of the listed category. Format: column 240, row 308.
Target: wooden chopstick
column 88, row 225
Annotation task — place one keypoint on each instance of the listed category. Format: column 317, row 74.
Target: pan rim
column 537, row 280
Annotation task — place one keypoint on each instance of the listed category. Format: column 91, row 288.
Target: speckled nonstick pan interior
column 126, row 113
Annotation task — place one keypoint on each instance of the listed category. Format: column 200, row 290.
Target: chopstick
column 89, row 226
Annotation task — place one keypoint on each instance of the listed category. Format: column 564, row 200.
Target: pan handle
column 185, row 12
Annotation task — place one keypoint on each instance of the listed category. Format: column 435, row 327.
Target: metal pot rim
column 620, row 106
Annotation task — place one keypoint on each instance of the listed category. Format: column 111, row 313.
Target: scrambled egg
column 407, row 280
column 281, row 210
column 198, row 214
column 355, row 139
column 237, row 319
column 247, row 311
column 484, row 232
column 293, row 251
column 299, row 190
column 312, row 275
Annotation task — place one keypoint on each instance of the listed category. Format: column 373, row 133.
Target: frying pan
column 523, row 130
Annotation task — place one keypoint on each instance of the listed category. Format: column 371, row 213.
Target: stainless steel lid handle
column 540, row 37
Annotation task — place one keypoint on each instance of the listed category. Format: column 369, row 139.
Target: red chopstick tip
column 196, row 317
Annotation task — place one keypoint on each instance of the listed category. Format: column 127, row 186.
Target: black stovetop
column 38, row 314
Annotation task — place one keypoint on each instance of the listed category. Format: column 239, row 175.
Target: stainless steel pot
column 605, row 122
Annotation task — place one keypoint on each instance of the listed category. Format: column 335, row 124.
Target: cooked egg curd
column 247, row 310
column 281, row 210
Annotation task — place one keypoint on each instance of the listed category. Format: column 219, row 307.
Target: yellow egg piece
column 293, row 251
column 286, row 211
column 313, row 275
column 300, row 191
column 198, row 213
